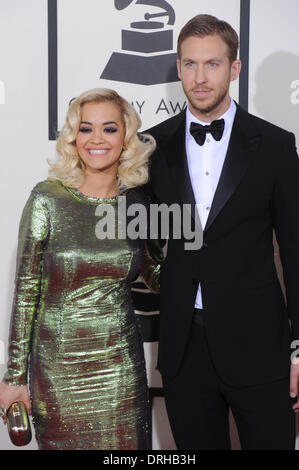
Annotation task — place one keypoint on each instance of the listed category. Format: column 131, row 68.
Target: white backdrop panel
column 23, row 139
column 274, row 62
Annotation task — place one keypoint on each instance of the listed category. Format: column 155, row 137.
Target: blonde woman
column 72, row 314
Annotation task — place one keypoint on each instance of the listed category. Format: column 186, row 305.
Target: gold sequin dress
column 74, row 324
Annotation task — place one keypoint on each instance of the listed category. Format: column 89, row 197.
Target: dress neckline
column 93, row 200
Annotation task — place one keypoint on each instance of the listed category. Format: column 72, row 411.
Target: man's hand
column 294, row 378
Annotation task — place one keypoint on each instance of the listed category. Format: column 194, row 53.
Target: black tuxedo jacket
column 247, row 320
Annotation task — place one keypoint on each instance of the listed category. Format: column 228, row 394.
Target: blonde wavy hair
column 133, row 162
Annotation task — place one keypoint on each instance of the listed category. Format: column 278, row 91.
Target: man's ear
column 235, row 70
column 178, row 64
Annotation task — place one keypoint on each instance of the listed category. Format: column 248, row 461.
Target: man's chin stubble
column 207, row 109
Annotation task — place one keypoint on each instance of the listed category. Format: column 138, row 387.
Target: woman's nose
column 97, row 136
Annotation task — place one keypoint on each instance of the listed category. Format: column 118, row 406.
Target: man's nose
column 200, row 74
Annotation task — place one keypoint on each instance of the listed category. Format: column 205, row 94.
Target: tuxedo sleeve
column 286, row 224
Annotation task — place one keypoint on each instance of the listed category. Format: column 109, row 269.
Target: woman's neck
column 96, row 186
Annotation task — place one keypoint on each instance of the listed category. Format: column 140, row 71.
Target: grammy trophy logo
column 149, row 38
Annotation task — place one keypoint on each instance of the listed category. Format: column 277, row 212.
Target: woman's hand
column 12, row 393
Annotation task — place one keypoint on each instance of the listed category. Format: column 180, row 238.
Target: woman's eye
column 85, row 129
column 110, row 130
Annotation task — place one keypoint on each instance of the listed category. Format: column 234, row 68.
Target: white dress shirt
column 205, row 164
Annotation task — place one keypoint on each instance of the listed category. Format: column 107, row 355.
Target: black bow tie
column 199, row 132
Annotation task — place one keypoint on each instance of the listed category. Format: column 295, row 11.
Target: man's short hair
column 208, row 25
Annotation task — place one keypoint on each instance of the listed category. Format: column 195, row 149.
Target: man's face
column 206, row 73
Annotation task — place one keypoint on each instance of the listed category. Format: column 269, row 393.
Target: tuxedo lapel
column 243, row 143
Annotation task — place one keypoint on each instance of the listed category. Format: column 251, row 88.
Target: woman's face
column 100, row 138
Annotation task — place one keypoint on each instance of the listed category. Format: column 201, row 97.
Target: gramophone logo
column 148, row 38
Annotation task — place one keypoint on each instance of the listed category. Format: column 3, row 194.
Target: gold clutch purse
column 18, row 424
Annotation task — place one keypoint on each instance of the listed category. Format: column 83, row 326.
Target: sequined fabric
column 72, row 316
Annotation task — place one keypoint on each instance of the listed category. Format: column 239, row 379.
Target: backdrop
column 52, row 51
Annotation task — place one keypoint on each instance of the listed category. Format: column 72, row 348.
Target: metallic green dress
column 74, row 323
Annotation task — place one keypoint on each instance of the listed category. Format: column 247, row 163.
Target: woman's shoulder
column 49, row 187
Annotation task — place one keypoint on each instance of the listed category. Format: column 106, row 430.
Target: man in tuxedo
column 226, row 332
